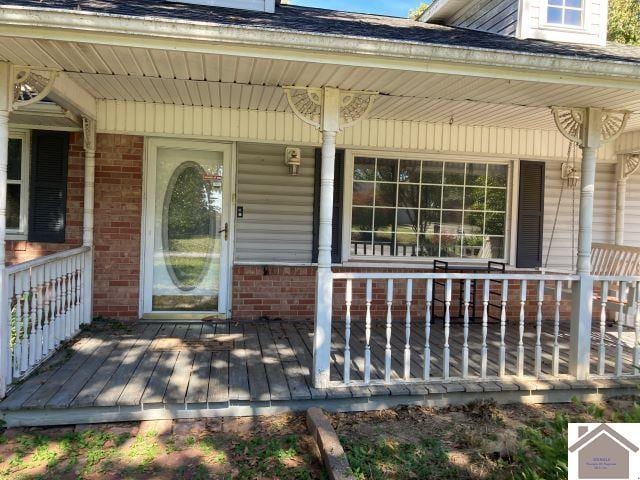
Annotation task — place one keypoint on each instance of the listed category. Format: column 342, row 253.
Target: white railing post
column 580, row 329
column 347, row 332
column 447, row 326
column 523, row 300
column 604, row 296
column 387, row 347
column 465, row 330
column 89, row 131
column 427, row 331
column 367, row 334
column 407, row 331
column 503, row 328
column 622, row 317
column 485, row 328
column 6, row 100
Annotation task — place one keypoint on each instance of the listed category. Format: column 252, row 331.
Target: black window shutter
column 338, row 194
column 48, row 186
column 530, row 215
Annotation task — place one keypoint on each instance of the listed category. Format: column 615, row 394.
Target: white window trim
column 412, row 262
column 21, row 232
column 562, row 26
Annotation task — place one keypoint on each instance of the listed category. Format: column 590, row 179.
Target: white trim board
column 224, row 124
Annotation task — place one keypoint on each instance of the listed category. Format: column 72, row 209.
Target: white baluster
column 347, row 333
column 604, row 295
column 523, row 300
column 407, row 331
column 69, row 305
column 465, row 345
column 45, row 310
column 26, row 332
column 367, row 334
column 387, row 348
column 485, row 328
column 556, row 331
column 79, row 290
column 33, row 319
column 447, row 326
column 539, row 329
column 17, row 346
column 58, row 296
column 502, row 363
column 75, row 300
column 39, row 278
column 427, row 332
column 621, row 322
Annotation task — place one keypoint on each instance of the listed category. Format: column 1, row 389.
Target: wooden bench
column 616, row 260
column 613, row 260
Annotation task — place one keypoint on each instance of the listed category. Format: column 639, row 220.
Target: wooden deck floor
column 217, row 365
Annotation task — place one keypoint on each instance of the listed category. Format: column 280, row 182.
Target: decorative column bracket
column 329, row 109
column 572, row 122
column 628, row 165
column 30, row 85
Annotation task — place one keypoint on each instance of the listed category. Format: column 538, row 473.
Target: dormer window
column 565, row 12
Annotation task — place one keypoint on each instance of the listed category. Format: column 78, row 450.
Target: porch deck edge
column 72, row 416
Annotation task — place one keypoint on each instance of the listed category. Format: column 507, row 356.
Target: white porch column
column 330, row 110
column 89, row 133
column 627, row 166
column 324, row 276
column 5, row 104
column 589, row 128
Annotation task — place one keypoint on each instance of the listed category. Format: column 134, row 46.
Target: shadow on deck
column 179, row 370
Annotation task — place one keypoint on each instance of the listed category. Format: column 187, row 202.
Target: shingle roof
column 319, row 21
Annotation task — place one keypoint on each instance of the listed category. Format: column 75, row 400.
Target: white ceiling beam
column 67, row 93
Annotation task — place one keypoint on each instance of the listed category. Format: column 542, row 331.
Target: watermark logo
column 608, row 451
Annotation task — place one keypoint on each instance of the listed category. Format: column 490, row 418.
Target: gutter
column 202, row 37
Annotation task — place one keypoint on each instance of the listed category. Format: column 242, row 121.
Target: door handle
column 225, row 230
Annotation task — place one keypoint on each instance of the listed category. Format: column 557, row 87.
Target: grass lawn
column 477, row 441
column 266, row 448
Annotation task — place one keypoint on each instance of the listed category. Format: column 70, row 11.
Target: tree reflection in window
column 191, row 211
column 428, row 208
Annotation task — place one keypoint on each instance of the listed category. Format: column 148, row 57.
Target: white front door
column 186, row 223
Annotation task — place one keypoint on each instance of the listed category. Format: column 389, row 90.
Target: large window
column 17, row 184
column 565, row 12
column 414, row 208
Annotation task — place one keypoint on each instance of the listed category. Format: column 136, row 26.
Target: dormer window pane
column 565, row 12
column 573, row 17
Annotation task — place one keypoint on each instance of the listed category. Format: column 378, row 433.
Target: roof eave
column 100, row 28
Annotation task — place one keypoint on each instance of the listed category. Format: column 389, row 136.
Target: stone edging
column 331, row 451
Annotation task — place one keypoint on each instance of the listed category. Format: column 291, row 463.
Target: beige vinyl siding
column 632, row 211
column 278, row 208
column 496, row 16
column 562, row 253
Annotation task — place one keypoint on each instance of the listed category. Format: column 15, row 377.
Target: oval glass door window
column 188, row 226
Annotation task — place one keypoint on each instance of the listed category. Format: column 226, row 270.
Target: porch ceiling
column 211, row 80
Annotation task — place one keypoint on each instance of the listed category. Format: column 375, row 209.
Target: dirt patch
column 265, row 447
column 481, row 440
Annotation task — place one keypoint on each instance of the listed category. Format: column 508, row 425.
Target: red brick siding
column 289, row 293
column 118, row 211
column 21, row 250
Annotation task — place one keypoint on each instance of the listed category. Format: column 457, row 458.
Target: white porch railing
column 519, row 303
column 617, row 331
column 44, row 308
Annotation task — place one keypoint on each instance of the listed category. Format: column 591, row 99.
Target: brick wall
column 118, row 210
column 21, row 250
column 289, row 293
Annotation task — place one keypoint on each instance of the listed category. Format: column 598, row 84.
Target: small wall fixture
column 570, row 175
column 293, row 158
